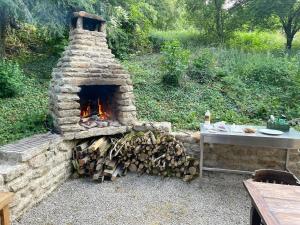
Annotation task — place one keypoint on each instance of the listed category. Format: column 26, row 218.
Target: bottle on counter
column 207, row 118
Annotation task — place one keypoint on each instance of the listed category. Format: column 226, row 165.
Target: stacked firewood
column 91, row 158
column 148, row 152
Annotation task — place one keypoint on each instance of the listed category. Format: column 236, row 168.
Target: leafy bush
column 203, row 68
column 257, row 41
column 188, row 38
column 174, row 63
column 261, row 41
column 11, row 77
column 272, row 71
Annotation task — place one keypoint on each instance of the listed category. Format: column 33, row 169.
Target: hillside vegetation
column 183, row 60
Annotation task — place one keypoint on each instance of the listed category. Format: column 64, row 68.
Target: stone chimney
column 86, row 75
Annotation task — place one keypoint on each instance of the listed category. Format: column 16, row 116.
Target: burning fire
column 86, row 111
column 103, row 111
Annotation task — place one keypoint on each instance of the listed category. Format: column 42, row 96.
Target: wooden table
column 288, row 140
column 5, row 199
column 275, row 204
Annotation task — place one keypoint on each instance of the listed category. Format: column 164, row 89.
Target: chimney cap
column 88, row 15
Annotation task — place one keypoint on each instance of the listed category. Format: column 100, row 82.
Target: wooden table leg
column 5, row 220
column 254, row 217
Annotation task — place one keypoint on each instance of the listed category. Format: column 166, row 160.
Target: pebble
column 218, row 199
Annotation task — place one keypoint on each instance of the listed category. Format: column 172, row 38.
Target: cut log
column 97, row 144
column 132, row 168
column 82, row 146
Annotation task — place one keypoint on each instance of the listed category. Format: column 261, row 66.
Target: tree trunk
column 289, row 42
column 219, row 20
column 288, row 29
column 3, row 26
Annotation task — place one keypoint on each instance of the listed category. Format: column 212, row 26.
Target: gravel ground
column 219, row 200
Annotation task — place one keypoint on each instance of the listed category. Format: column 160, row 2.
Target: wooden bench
column 5, row 199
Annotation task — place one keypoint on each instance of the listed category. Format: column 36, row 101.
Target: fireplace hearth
column 90, row 93
column 98, row 106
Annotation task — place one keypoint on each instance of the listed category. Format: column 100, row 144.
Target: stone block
column 127, row 88
column 67, row 105
column 67, row 89
column 23, row 205
column 144, row 126
column 187, row 136
column 67, row 97
column 67, row 146
column 71, row 128
column 10, row 172
column 18, row 183
column 94, row 132
column 40, row 172
column 38, row 161
column 127, row 108
column 69, row 136
column 94, row 81
column 68, row 113
column 127, row 102
column 1, row 180
column 127, row 95
column 27, row 148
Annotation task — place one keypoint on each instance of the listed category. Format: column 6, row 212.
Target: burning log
column 142, row 152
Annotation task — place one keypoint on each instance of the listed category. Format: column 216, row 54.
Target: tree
column 54, row 15
column 209, row 15
column 287, row 11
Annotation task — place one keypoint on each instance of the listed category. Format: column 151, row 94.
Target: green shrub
column 203, row 68
column 188, row 38
column 257, row 41
column 262, row 41
column 174, row 63
column 11, row 77
column 270, row 71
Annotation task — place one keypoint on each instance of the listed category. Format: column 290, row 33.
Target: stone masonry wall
column 37, row 171
column 239, row 157
column 87, row 60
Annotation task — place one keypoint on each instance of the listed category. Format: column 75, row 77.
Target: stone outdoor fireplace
column 90, row 93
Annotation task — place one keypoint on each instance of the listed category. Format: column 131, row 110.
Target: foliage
column 262, row 41
column 210, row 16
column 129, row 26
column 174, row 63
column 203, row 69
column 239, row 96
column 24, row 115
column 287, row 12
column 11, row 78
column 188, row 38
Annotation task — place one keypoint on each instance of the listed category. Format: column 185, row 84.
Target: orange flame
column 86, row 111
column 101, row 111
column 104, row 110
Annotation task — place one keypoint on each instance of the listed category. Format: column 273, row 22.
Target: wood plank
column 5, row 198
column 5, row 217
column 260, row 204
column 276, row 204
column 288, row 218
